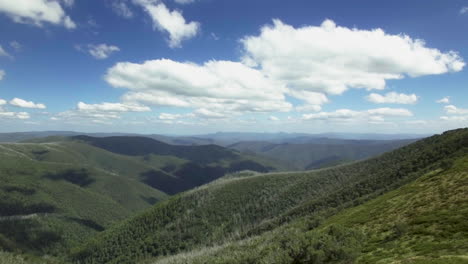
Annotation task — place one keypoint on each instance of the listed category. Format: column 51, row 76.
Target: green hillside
column 53, row 196
column 239, row 208
column 58, row 191
column 421, row 222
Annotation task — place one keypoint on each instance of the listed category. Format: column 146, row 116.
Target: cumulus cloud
column 121, row 8
column 101, row 113
column 453, row 110
column 169, row 21
column 445, row 100
column 15, row 115
column 308, row 63
column 372, row 115
column 111, row 107
column 273, row 118
column 36, row 12
column 331, row 59
column 3, row 102
column 100, row 51
column 217, row 85
column 26, row 104
column 392, row 98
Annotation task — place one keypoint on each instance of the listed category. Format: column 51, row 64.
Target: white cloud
column 183, row 2
column 166, row 116
column 15, row 115
column 308, row 108
column 392, row 98
column 273, row 118
column 111, row 107
column 453, row 110
column 68, row 3
column 16, row 45
column 3, row 53
column 121, row 8
column 331, row 59
column 36, row 12
column 2, row 74
column 3, row 102
column 445, row 100
column 101, row 51
column 221, row 86
column 169, row 21
column 26, row 104
column 208, row 114
column 464, row 10
column 374, row 115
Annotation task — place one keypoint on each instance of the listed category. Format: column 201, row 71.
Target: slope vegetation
column 52, row 197
column 421, row 222
column 320, row 152
column 236, row 208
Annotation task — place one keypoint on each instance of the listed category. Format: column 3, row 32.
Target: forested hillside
column 237, row 208
column 56, row 194
column 320, row 152
column 421, row 222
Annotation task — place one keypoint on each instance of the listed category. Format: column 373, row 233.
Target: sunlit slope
column 421, row 222
column 236, row 208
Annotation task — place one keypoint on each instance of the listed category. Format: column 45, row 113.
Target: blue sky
column 189, row 67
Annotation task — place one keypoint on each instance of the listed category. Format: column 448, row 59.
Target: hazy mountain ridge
column 320, row 152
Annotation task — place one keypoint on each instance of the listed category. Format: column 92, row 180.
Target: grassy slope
column 424, row 221
column 235, row 208
column 72, row 196
column 421, row 222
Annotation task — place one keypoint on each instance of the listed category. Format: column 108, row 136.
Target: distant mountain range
column 220, row 138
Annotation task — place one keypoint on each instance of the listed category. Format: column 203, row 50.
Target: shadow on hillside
column 163, row 182
column 19, row 189
column 27, row 233
column 150, row 200
column 191, row 175
column 11, row 206
column 79, row 177
column 87, row 222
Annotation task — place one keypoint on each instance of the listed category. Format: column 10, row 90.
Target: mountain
column 57, row 191
column 279, row 217
column 320, row 152
column 423, row 221
column 56, row 195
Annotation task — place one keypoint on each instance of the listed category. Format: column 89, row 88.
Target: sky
column 203, row 66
